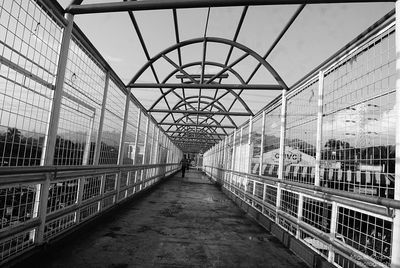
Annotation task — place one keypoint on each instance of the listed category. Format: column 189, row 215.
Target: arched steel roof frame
column 204, row 115
column 237, row 45
column 221, row 108
column 191, row 64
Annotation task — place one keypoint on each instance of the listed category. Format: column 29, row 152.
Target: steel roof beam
column 281, row 34
column 193, row 125
column 198, row 112
column 146, row 52
column 198, row 133
column 172, row 4
column 194, row 76
column 206, row 86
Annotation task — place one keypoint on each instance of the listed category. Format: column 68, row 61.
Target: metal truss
column 199, row 113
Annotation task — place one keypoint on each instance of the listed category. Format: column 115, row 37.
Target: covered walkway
column 291, row 106
column 183, row 223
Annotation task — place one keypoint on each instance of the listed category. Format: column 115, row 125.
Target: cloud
column 363, row 119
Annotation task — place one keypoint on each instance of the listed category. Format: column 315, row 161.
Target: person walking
column 184, row 166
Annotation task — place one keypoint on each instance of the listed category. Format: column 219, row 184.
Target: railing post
column 331, row 254
column 97, row 149
column 262, row 143
column 318, row 145
column 299, row 214
column 47, row 157
column 50, row 139
column 225, row 161
column 248, row 160
column 242, row 182
column 396, row 219
column 249, row 151
column 156, row 152
column 137, row 136
column 123, row 132
column 144, row 171
column 233, row 159
column 281, row 151
column 42, row 194
column 86, row 153
column 121, row 150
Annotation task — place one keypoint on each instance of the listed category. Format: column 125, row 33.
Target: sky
column 318, row 32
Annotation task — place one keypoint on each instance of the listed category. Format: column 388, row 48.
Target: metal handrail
column 380, row 201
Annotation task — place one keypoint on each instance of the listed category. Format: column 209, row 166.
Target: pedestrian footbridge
column 287, row 112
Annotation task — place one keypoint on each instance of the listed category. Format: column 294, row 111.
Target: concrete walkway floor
column 185, row 222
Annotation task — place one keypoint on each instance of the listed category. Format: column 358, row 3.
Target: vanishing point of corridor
column 185, row 222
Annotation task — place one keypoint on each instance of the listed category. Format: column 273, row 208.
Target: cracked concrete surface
column 184, row 222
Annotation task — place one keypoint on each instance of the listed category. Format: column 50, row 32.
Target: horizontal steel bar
column 199, row 138
column 26, row 226
column 206, row 86
column 6, row 171
column 170, row 4
column 197, row 125
column 26, row 73
column 380, row 201
column 194, row 76
column 198, row 112
column 198, row 132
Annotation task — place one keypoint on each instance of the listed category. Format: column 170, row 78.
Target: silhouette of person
column 184, row 166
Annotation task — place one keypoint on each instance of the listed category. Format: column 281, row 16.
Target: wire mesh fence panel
column 130, row 136
column 314, row 243
column 59, row 225
column 62, row 195
column 301, row 126
column 317, row 213
column 81, row 107
column 122, row 195
column 344, row 261
column 289, row 202
column 29, row 48
column 287, row 225
column 88, row 211
column 91, row 187
column 17, row 205
column 75, row 127
column 107, row 202
column 17, row 244
column 359, row 120
column 113, row 120
column 109, row 182
column 140, row 145
column 255, row 145
column 365, row 233
column 270, row 157
column 123, row 179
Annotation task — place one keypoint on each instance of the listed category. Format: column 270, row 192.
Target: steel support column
column 47, row 157
column 123, row 132
column 146, row 136
column 137, row 138
column 396, row 220
column 281, row 151
column 318, row 146
column 262, row 143
column 101, row 123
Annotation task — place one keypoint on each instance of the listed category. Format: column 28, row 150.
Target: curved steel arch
column 208, row 117
column 199, row 134
column 184, row 102
column 239, row 46
column 211, row 63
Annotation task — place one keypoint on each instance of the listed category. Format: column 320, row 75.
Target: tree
column 13, row 134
